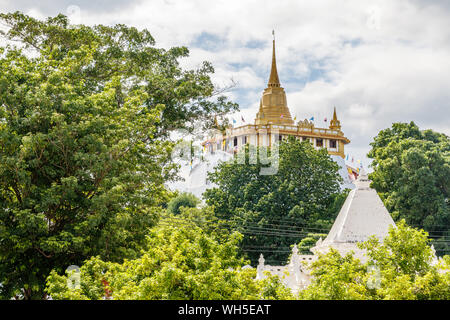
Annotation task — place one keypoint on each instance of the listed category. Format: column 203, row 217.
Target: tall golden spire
column 273, row 107
column 274, row 81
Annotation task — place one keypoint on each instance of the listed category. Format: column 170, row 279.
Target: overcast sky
column 378, row 62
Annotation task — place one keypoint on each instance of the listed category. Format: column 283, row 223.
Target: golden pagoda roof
column 273, row 105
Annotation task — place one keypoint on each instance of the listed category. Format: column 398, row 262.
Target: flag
column 295, row 118
column 242, row 118
column 346, row 158
column 234, row 121
column 312, row 118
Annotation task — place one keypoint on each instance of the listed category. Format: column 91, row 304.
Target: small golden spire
column 335, row 123
column 274, row 81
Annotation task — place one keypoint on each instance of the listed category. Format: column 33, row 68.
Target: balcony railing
column 299, row 129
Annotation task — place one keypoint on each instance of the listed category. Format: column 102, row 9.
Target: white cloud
column 378, row 62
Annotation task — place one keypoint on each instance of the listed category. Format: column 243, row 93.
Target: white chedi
column 362, row 215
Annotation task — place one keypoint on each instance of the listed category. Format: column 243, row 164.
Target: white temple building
column 361, row 216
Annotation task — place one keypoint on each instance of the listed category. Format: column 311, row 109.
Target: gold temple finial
column 274, row 81
column 334, row 114
column 335, row 123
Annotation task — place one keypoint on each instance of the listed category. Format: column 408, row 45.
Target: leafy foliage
column 189, row 97
column 187, row 200
column 412, row 176
column 84, row 116
column 181, row 261
column 309, row 242
column 303, row 192
column 401, row 267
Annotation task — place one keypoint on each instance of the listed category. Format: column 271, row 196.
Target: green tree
column 412, row 176
column 84, row 116
column 275, row 211
column 309, row 242
column 183, row 260
column 189, row 96
column 187, row 200
column 401, row 267
column 336, row 278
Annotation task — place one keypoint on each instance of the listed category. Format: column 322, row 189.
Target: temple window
column 280, row 137
column 333, row 144
column 319, row 142
column 244, row 140
column 235, row 141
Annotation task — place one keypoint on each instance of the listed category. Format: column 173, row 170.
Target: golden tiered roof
column 273, row 105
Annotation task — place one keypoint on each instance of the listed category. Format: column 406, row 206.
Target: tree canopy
column 275, row 211
column 182, row 260
column 103, row 52
column 85, row 113
column 185, row 199
column 412, row 176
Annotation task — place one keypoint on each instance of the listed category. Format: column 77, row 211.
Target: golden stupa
column 273, row 105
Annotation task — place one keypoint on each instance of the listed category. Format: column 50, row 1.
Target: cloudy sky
column 378, row 62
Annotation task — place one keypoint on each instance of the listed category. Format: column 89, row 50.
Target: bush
column 187, row 200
